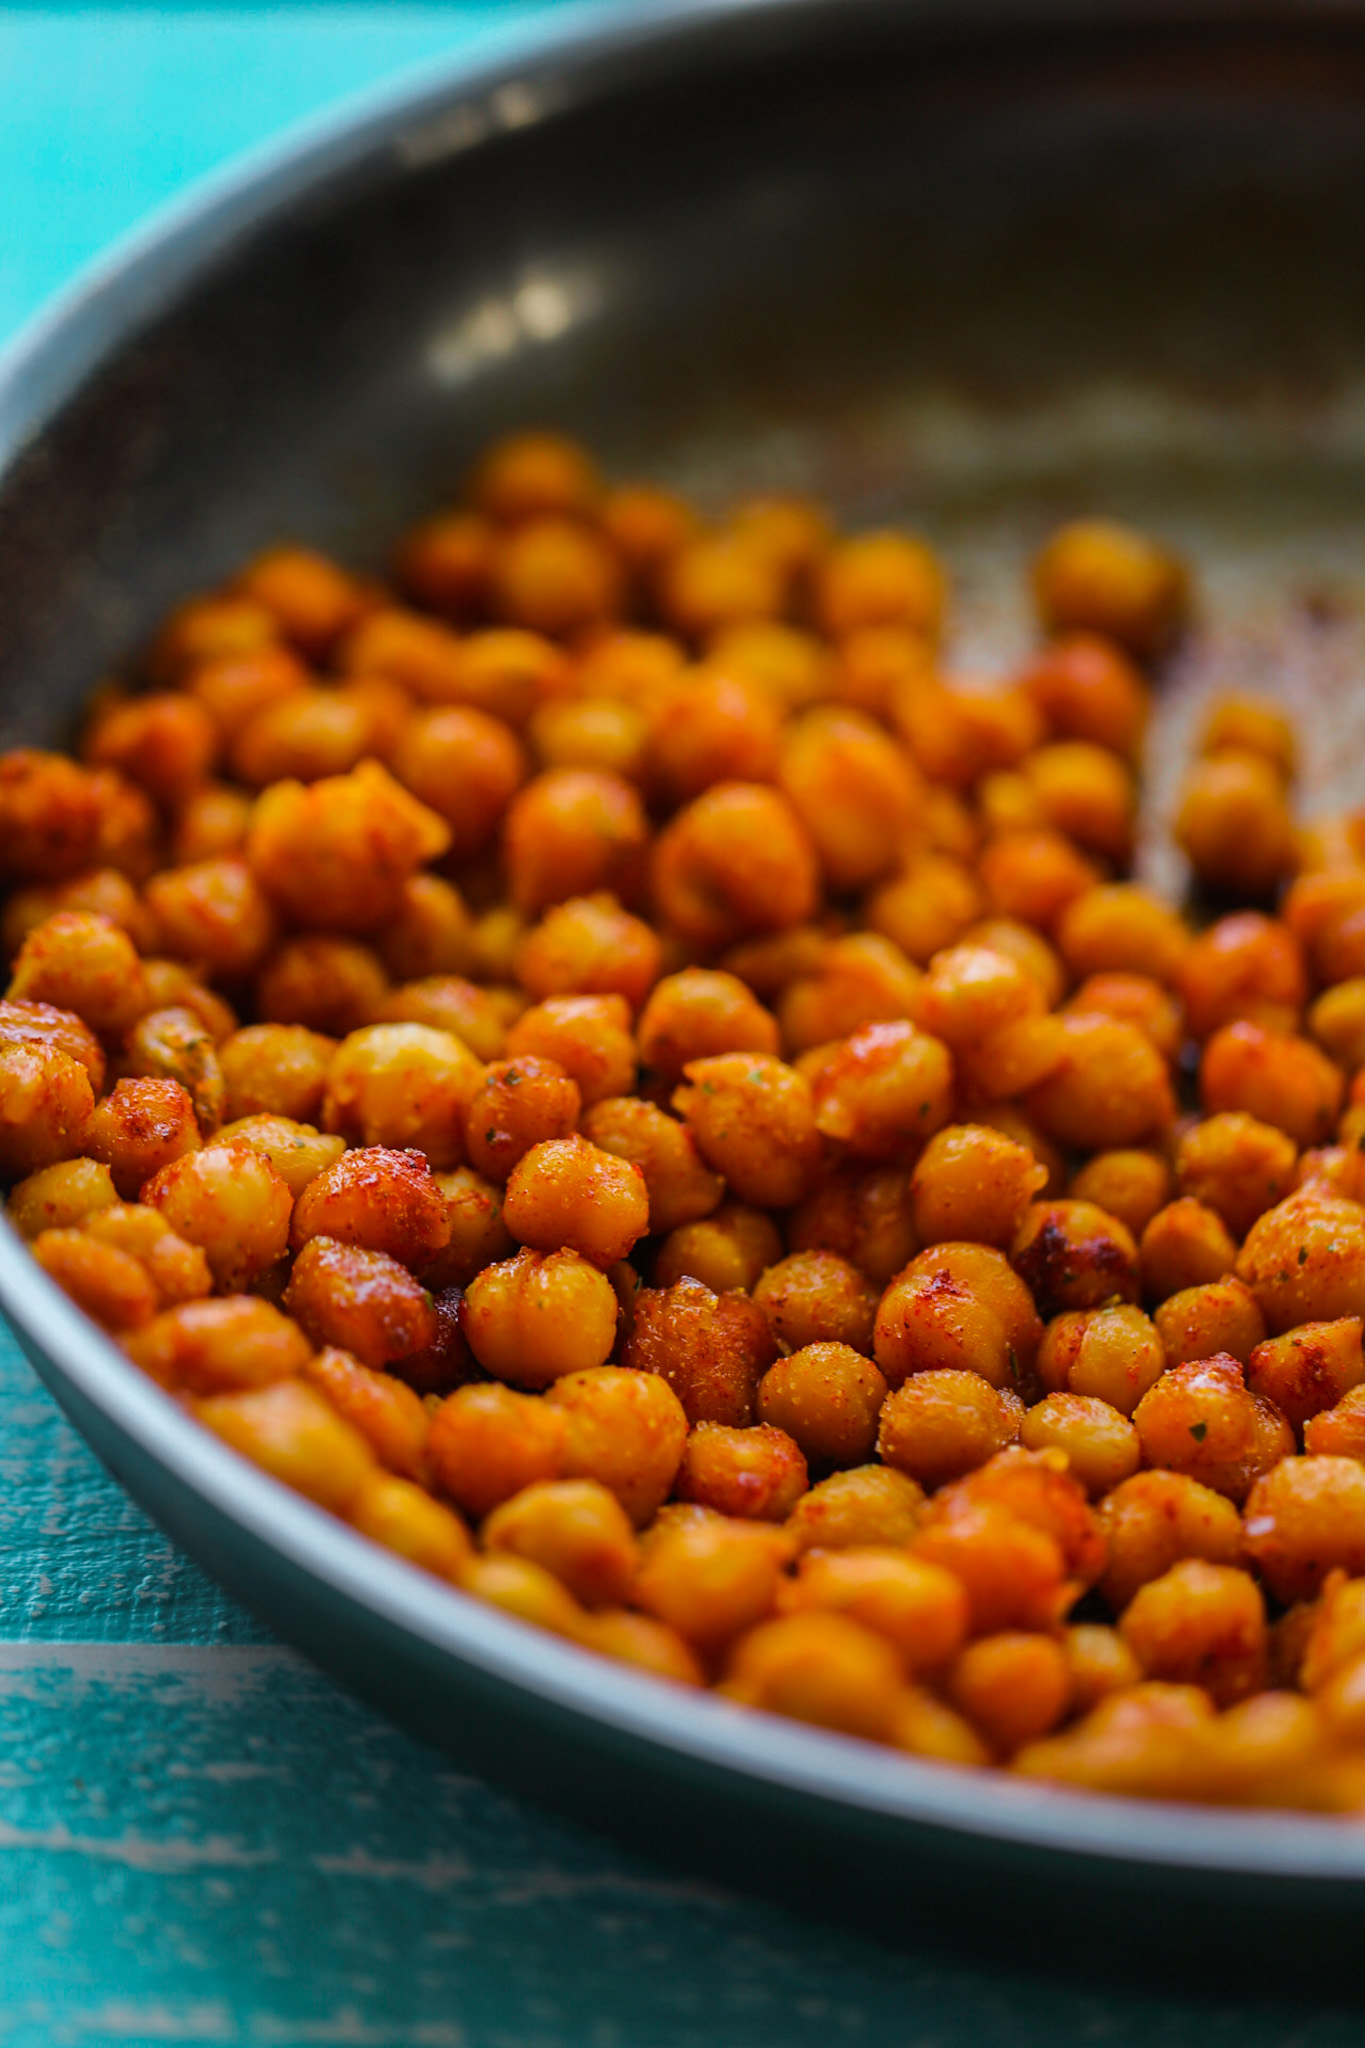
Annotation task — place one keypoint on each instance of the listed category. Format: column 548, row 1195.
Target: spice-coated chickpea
column 918, row 1607
column 1337, row 1022
column 574, row 1528
column 753, row 1474
column 112, row 1287
column 708, row 1576
column 293, row 1433
column 1338, row 1432
column 873, row 663
column 945, row 1312
column 973, row 1182
column 102, row 890
column 1201, row 1419
column 1303, row 1259
column 569, row 832
column 49, row 816
column 335, row 854
column 401, row 1516
column 1072, row 1255
column 321, row 731
column 447, row 1002
column 45, row 1109
column 816, row 1297
column 822, row 1668
column 326, row 985
column 1234, row 824
column 390, row 1417
column 1285, row 1082
column 299, row 1153
column 1184, row 1245
column 924, row 1726
column 1095, row 576
column 1309, row 1369
column 1303, row 1519
column 1035, row 1489
column 864, row 1215
column 1200, row 1624
column 1200, row 1322
column 385, row 1200
column 77, row 960
column 234, row 688
column 312, row 600
column 488, row 1443
column 532, row 475
column 507, row 673
column 173, row 1043
column 736, row 860
column 431, row 933
column 1101, row 1445
column 177, row 1269
column 871, row 1504
column 927, row 907
column 794, row 531
column 726, row 1250
column 863, row 979
column 464, row 766
column 794, row 667
column 1134, row 999
column 884, row 1090
column 538, row 1315
column 1246, row 966
column 971, row 992
column 1087, row 689
column 681, row 1187
column 1087, row 793
column 944, row 1422
column 716, row 580
column 1237, row 1166
column 754, row 1121
column 402, row 1085
column 699, row 1014
column 517, row 1104
column 1130, row 1184
column 1110, row 1354
column 649, row 1645
column 210, row 823
column 1250, row 725
column 603, row 733
column 445, row 563
column 1014, row 1574
column 478, row 1236
column 140, row 1127
column 963, row 737
column 1153, row 1520
column 555, row 576
column 167, row 742
column 209, row 1347
column 275, row 1069
column 1013, row 1687
column 589, row 946
column 827, row 1397
column 1100, row 1663
column 567, row 1192
column 588, row 1036
column 624, row 1428
column 361, row 1301
column 1110, row 1088
column 711, row 1349
column 1034, row 875
column 60, row 1197
column 232, row 1202
column 713, row 726
column 854, row 790
column 528, row 1593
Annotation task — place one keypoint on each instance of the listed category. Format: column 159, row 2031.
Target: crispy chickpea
column 883, row 1091
column 957, row 1306
column 402, row 1085
column 1035, row 1489
column 398, row 1514
column 1110, row 1088
column 625, row 1429
column 1246, row 966
column 419, row 654
column 817, row 1298
column 588, row 1036
column 631, row 667
column 700, row 1014
column 964, row 737
column 574, row 1528
column 555, row 576
column 78, row 960
column 172, row 985
column 712, row 726
column 325, row 985
column 534, row 475
column 970, row 993
column 1305, row 1518
column 445, row 563
column 1013, row 1687
column 1151, row 1742
column 734, row 861
column 298, row 1152
column 360, row 1301
column 1249, row 725
column 448, row 1003
column 880, row 579
column 708, row 1576
column 727, row 1250
column 387, row 1201
column 646, row 525
column 230, row 1201
column 754, row 1121
column 1201, row 1419
column 174, row 1045
column 569, row 1192
column 1337, row 1023
column 1086, row 688
column 855, row 791
column 528, row 1593
column 336, row 853
column 589, row 946
column 717, row 580
column 569, row 832
column 1185, row 1245
column 478, row 1236
column 111, row 1286
column 1072, row 1255
column 681, row 1187
column 1200, row 1322
column 139, row 1128
column 1309, row 1369
column 295, row 1435
column 1304, row 1260
column 1034, row 875
column 1095, row 576
column 927, row 907
column 822, row 1668
column 865, row 1216
column 177, row 1269
column 1285, row 1082
column 166, row 742
column 1130, row 1184
column 49, row 816
column 464, row 766
column 1101, row 1445
column 538, row 1315
column 870, row 1505
column 603, row 733
column 217, row 1346
column 311, row 599
column 1234, row 824
column 863, row 979
column 234, row 688
column 1236, row 1166
column 390, row 1417
column 1014, row 1574
column 827, row 1397
column 275, row 1070
column 1133, row 999
column 102, row 890
column 944, row 1422
column 488, row 1444
column 1338, row 1432
column 1100, row 1663
column 711, row 1349
column 60, row 1197
column 518, row 1104
column 1200, row 1624
column 975, row 1183
column 918, row 1607
column 1110, row 1354
column 755, row 1474
column 1087, row 793
column 1155, row 1519
column 45, row 1109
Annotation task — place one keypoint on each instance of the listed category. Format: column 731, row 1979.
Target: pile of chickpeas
column 600, row 1062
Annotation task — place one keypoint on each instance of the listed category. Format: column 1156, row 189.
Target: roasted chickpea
column 518, row 1104
column 711, row 1349
column 402, row 1085
column 335, row 854
column 754, row 1121
column 589, row 946
column 111, row 1286
column 464, row 766
column 973, row 1182
column 534, row 475
column 1072, row 1255
column 1100, row 1444
column 1236, row 1166
column 1200, row 1624
column 863, row 979
column 1305, row 1517
column 1285, row 1082
column 822, row 1668
column 872, row 1504
column 646, row 525
column 918, row 1607
column 1034, row 875
column 569, row 832
column 1185, row 1245
column 884, row 1090
column 700, row 1014
column 1110, row 1087
column 708, row 1576
column 566, row 1192
column 814, row 1298
column 727, row 1250
column 1244, row 967
column 1309, row 1369
column 736, row 860
column 60, row 1197
column 681, row 1188
column 541, row 1314
column 930, row 905
column 1234, row 824
column 718, row 580
column 232, row 1202
column 387, row 1201
column 298, row 1152
column 211, row 1347
column 712, row 726
column 555, row 575
column 294, row 1434
column 1095, row 576
column 574, row 1528
column 325, row 985
column 1200, row 1322
column 754, row 1474
column 1128, row 1183
column 166, row 742
column 1087, row 793
column 1087, row 689
column 588, row 1036
column 1249, row 725
column 1200, row 1419
column 1155, row 1519
column 944, row 1422
column 446, row 563
column 174, row 1045
column 275, row 1069
column 1110, row 1354
column 625, row 1429
column 1013, row 1687
column 487, row 1444
column 827, row 1397
column 1303, row 1259
column 139, row 1128
column 49, row 816
column 854, row 790
column 78, row 960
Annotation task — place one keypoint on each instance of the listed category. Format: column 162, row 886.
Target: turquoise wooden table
column 201, row 1839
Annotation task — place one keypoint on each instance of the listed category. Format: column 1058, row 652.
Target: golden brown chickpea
column 919, row 1608
column 527, row 1592
column 478, row 1017
column 1302, row 1259
column 973, row 1182
column 1200, row 1419
column 507, row 673
column 295, row 1435
column 103, row 890
column 60, row 1197
column 1110, row 1354
column 325, row 985
column 297, row 1151
column 478, row 1235
column 827, row 1397
column 1072, row 1255
column 1034, row 1489
column 235, row 688
column 1154, row 1741
column 1100, row 1663
column 1338, row 1432
column 568, row 1192
column 625, row 1429
column 603, row 733
column 569, row 832
column 700, row 1014
column 1185, row 1245
column 555, row 576
column 1200, row 1322
column 402, row 1085
column 944, row 1422
column 431, row 934
column 312, row 601
column 1013, row 1573
column 1243, row 967
column 794, row 531
column 386, row 1201
column 646, row 525
column 1095, row 576
column 77, row 960
column 817, row 1298
column 1129, row 1184
column 209, row 629
column 445, row 564
column 111, row 1286
column 1200, row 1624
column 712, row 726
column 1033, row 876
column 880, row 579
column 487, row 1444
column 712, row 1350
column 927, row 907
column 1155, row 1519
column 172, row 985
column 924, row 1726
column 50, row 816
column 574, row 1528
column 275, row 1069
column 1286, row 1082
column 41, row 1028
column 215, row 914
column 1133, row 999
column 1087, row 689
column 970, row 993
column 717, row 580
column 736, row 860
column 957, row 1305
column 862, row 979
column 1101, row 1445
column 1111, row 1087
column 590, row 946
column 406, row 1520
column 755, row 1474
column 1234, row 824
column 873, row 665
column 1236, row 1166
column 535, row 474
column 361, row 1301
column 855, row 791
column 1087, row 793
column 727, row 1250
column 1249, row 725
column 1304, row 1519
column 649, row 1645
column 864, row 1216
column 1337, row 1022
column 321, row 731
column 681, row 1187
column 174, row 1045
column 518, row 1103
column 178, row 1270
column 588, row 1036
column 166, row 742
column 710, row 1577
column 390, row 1417
column 464, row 766
column 754, row 1121
column 961, row 737
column 140, row 1127
column 232, row 1202
column 1308, row 1370
column 336, row 853
column 872, row 1504
column 211, row 1347
column 821, row 1668
column 1013, row 1687
column 421, row 655
column 538, row 1315
column 884, row 1090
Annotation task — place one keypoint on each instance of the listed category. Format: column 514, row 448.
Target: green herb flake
column 1199, row 1430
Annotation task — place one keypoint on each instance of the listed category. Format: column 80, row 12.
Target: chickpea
column 1234, row 825
column 1155, row 1519
column 924, row 1726
column 1285, row 1082
column 275, row 1070
column 173, row 1045
column 817, row 1298
column 506, row 674
column 708, row 1577
column 1249, row 725
column 1185, row 1245
column 711, row 1349
column 556, row 576
column 930, row 905
column 166, row 742
column 827, row 1397
column 1072, row 1255
column 1337, row 1023
column 177, row 1269
column 232, row 1202
column 320, row 731
column 946, row 1421
column 870, row 1505
column 1310, row 1369
column 49, row 816
column 865, row 1216
column 401, row 1085
column 700, row 1014
column 1236, row 1166
column 734, row 861
column 590, row 946
column 1087, row 793
column 957, row 1305
column 569, row 832
column 713, row 726
column 603, row 733
column 681, row 1188
column 45, row 1106
column 973, row 1182
column 1014, row 1575
column 1303, row 1260
column 1086, row 688
column 649, row 1645
column 478, row 1017
column 1101, row 1445
column 625, row 1429
column 360, row 1301
column 478, row 1236
column 528, row 1593
column 385, row 1201
column 172, row 985
column 141, row 1127
column 464, row 766
column 337, row 853
column 535, row 475
column 1095, row 576
column 1246, row 967
column 863, row 979
column 821, row 1668
column 77, row 960
column 1338, row 1432
column 1111, row 1355
column 917, row 1607
column 1110, row 1089
column 646, row 525
column 1200, row 1624
column 517, row 1105
column 1036, row 1490
column 855, row 791
column 875, row 664
column 1200, row 1419
column 112, row 1287
column 40, row 1028
column 1151, row 1742
column 1033, row 876
column 754, row 1121
column 883, row 1090
column 588, row 1036
column 880, row 579
column 487, row 1444
column 325, row 985
column 60, row 1197
column 400, row 1515
column 1100, row 1663
column 236, row 686
column 1013, row 1687
column 446, row 563
column 1130, row 1184
column 296, row 1436
column 575, row 1529
column 719, row 580
column 1304, row 1518
column 229, row 1343
column 754, row 1474
column 104, row 891
column 419, row 654
column 298, row 1152
column 727, row 1250
column 311, row 599
column 540, row 1314
column 960, row 737
column 568, row 1192
column 1200, row 1322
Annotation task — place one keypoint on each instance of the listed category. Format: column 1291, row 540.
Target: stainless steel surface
column 971, row 267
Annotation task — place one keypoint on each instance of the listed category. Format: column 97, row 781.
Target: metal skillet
column 975, row 266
